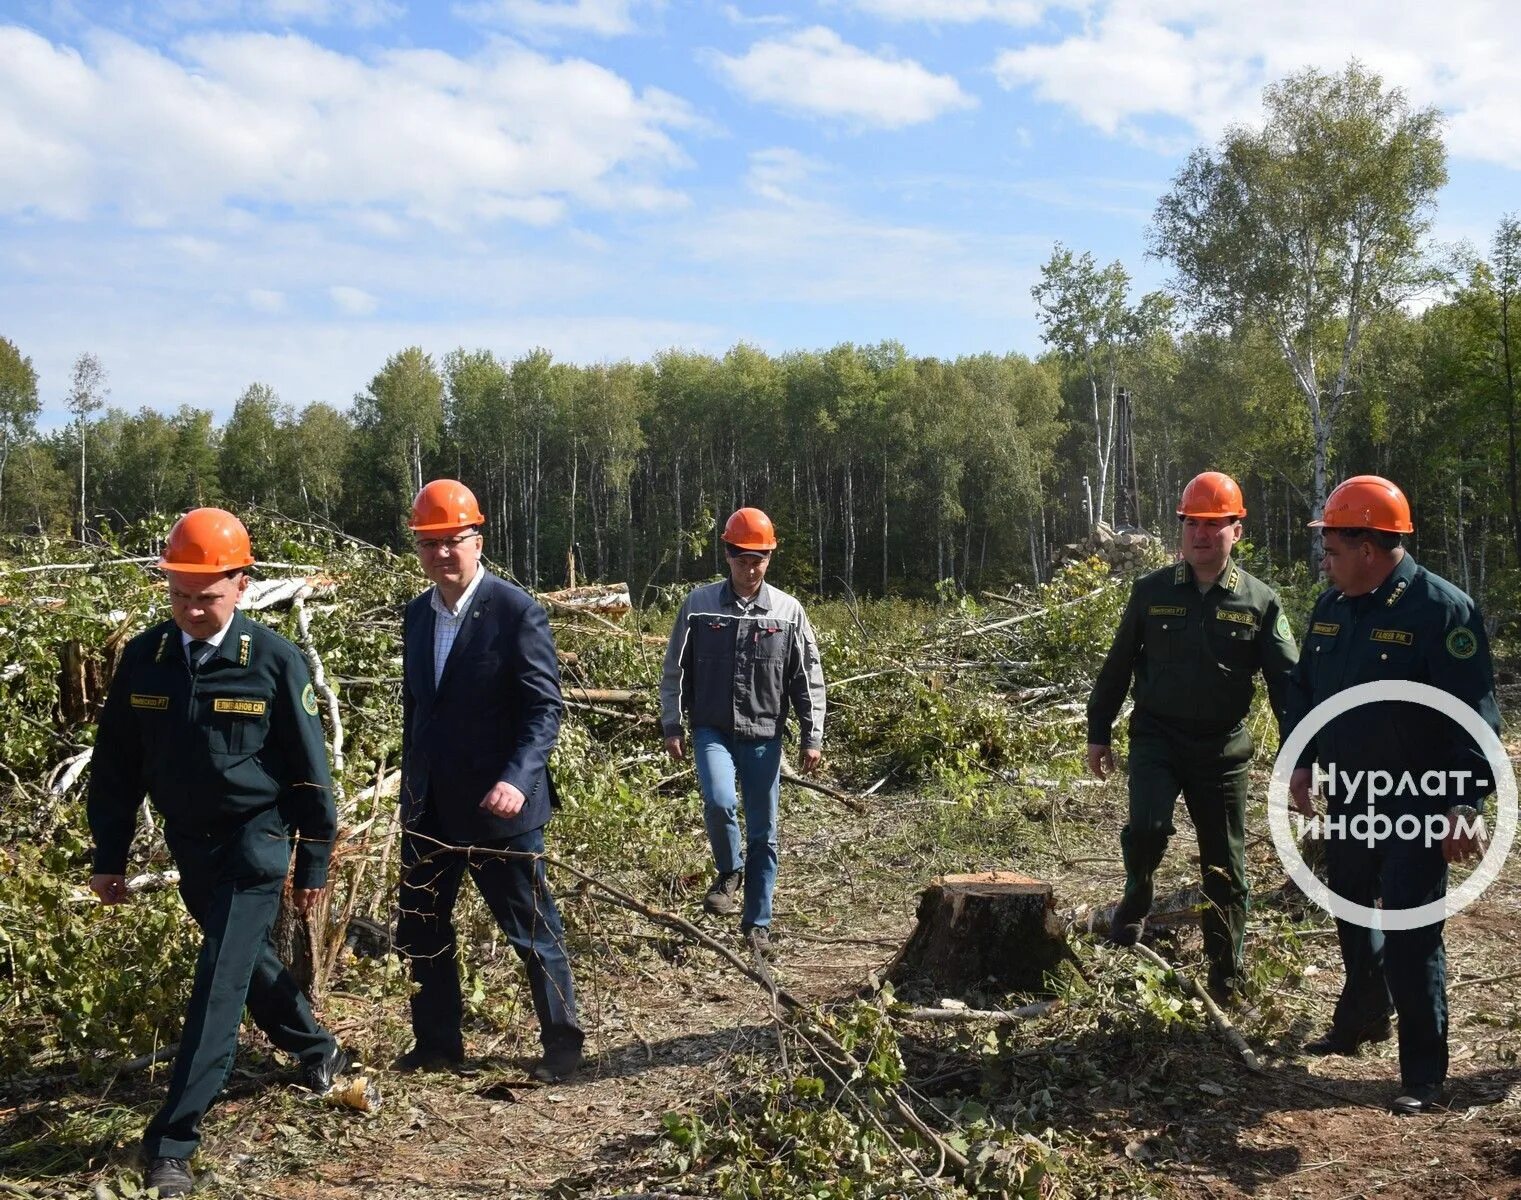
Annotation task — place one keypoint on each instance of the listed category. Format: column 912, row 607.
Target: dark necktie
column 198, row 651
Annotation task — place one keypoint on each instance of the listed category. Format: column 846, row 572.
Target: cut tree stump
column 997, row 928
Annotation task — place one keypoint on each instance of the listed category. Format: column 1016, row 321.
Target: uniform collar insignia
column 1181, row 575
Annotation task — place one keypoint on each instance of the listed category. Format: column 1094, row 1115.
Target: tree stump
column 996, row 928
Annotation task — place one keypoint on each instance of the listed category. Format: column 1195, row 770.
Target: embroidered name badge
column 242, row 708
column 159, row 703
column 1240, row 618
column 1395, row 637
column 1167, row 610
column 1329, row 628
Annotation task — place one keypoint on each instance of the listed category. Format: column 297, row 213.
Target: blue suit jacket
column 494, row 715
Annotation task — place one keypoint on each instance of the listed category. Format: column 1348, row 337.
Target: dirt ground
column 672, row 1029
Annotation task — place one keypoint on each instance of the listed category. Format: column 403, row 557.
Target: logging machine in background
column 1371, row 824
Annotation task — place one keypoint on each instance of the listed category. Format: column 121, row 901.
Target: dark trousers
column 237, row 966
column 1211, row 774
column 517, row 893
column 1405, row 968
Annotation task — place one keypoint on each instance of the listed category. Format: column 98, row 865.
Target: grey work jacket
column 738, row 667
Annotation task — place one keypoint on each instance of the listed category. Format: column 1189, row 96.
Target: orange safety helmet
column 445, row 504
column 1212, row 494
column 1366, row 502
column 750, row 529
column 207, row 541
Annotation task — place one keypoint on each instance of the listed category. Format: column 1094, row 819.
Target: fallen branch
column 851, row 802
column 974, row 1015
column 1229, row 1032
column 904, row 1111
column 603, row 695
column 319, row 682
column 68, row 771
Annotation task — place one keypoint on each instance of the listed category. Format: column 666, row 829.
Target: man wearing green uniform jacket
column 1193, row 638
column 213, row 716
column 1385, row 618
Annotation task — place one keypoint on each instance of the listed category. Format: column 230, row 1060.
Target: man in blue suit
column 481, row 711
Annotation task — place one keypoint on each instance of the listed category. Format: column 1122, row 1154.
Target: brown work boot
column 722, row 899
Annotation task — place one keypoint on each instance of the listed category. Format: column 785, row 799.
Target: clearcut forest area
column 955, row 742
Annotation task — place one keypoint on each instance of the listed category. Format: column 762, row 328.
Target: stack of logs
column 1126, row 552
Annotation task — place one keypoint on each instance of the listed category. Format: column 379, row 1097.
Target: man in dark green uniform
column 1385, row 618
column 1193, row 638
column 213, row 716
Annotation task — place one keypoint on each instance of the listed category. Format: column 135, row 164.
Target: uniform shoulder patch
column 1282, row 628
column 309, row 700
column 1461, row 643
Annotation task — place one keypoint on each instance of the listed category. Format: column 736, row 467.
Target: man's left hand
column 1461, row 847
column 305, row 899
column 811, row 760
column 504, row 800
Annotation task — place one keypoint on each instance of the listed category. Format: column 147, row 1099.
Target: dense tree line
column 1310, row 332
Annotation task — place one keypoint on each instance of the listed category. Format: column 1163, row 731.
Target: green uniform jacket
column 1414, row 626
column 233, row 756
column 1194, row 656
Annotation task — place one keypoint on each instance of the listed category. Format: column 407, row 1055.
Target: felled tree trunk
column 993, row 929
column 300, row 946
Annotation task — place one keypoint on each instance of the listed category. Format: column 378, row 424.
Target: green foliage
column 80, row 979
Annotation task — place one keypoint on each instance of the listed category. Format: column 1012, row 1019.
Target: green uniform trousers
column 237, row 966
column 1211, row 773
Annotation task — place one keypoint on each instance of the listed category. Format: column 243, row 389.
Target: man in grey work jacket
column 740, row 654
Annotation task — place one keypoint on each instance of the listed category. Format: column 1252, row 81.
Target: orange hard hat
column 445, row 504
column 1212, row 494
column 207, row 541
column 750, row 529
column 1366, row 502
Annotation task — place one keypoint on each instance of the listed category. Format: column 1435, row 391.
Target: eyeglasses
column 430, row 545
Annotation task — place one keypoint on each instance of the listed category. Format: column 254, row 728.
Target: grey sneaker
column 722, row 899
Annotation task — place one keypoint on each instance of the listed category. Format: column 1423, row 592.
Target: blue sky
column 209, row 193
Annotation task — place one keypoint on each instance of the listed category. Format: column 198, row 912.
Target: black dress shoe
column 1336, row 1041
column 320, row 1076
column 558, row 1064
column 171, row 1176
column 1418, row 1098
column 429, row 1058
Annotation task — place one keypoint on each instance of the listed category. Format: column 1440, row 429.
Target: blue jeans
column 720, row 756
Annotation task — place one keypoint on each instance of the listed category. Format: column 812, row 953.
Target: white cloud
column 237, row 120
column 737, row 16
column 360, row 14
column 815, row 72
column 775, row 173
column 605, row 18
column 265, row 300
column 356, row 302
column 1203, row 65
column 953, row 12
